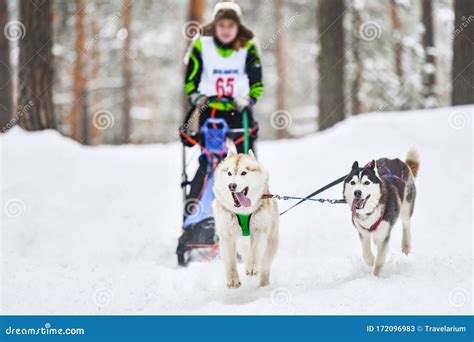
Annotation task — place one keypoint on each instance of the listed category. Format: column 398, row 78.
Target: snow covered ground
column 93, row 230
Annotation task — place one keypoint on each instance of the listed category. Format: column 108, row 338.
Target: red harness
column 377, row 223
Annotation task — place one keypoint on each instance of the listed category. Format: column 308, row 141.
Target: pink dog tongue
column 243, row 200
column 355, row 204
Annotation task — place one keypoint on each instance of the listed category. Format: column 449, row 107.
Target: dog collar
column 244, row 223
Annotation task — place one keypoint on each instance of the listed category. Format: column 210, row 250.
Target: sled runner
column 198, row 239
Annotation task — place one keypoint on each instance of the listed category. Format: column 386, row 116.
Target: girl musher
column 224, row 62
column 223, row 79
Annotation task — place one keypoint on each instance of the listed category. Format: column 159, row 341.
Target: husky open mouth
column 241, row 199
column 359, row 203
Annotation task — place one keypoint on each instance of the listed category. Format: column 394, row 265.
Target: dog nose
column 358, row 194
column 232, row 186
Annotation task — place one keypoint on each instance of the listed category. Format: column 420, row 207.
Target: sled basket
column 198, row 223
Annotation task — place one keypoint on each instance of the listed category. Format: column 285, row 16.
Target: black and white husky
column 378, row 194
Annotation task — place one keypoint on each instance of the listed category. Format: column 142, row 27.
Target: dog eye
column 353, row 183
column 366, row 183
column 229, row 173
column 243, row 173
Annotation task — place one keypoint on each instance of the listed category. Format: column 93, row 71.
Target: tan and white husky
column 245, row 222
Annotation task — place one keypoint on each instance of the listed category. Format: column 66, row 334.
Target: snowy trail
column 96, row 227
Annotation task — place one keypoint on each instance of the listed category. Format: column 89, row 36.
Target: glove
column 240, row 103
column 197, row 99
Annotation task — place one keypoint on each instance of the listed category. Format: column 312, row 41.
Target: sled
column 199, row 240
column 198, row 223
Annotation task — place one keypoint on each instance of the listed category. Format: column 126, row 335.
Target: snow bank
column 92, row 230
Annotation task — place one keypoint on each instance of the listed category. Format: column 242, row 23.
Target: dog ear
column 355, row 166
column 372, row 165
column 251, row 154
column 230, row 153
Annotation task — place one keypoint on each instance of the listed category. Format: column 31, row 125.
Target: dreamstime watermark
column 465, row 22
column 194, row 118
column 392, row 98
column 14, row 208
column 369, row 31
column 193, row 208
column 21, row 112
column 14, row 30
column 46, row 330
column 280, row 31
column 103, row 119
column 97, row 36
column 459, row 119
column 381, row 107
column 281, row 297
column 190, row 29
column 458, row 297
column 103, row 297
column 281, row 119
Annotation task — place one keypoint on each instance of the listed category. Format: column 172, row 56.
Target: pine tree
column 95, row 76
column 356, row 107
column 463, row 54
column 36, row 67
column 78, row 117
column 196, row 10
column 428, row 44
column 195, row 13
column 280, row 65
column 126, row 72
column 5, row 70
column 396, row 28
column 331, row 63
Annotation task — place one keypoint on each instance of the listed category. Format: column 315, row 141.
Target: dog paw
column 406, row 249
column 251, row 270
column 233, row 283
column 377, row 270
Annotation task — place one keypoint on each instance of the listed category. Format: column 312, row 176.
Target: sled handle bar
column 236, row 130
column 225, row 99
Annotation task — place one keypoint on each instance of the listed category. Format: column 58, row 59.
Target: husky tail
column 413, row 161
